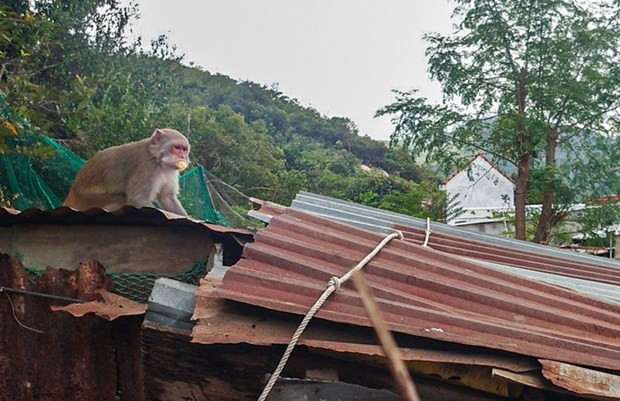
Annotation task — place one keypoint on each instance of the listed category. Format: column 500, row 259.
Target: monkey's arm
column 140, row 197
column 168, row 201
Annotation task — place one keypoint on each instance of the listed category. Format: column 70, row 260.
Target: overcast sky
column 341, row 57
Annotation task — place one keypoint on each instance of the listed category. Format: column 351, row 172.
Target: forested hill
column 287, row 121
column 68, row 69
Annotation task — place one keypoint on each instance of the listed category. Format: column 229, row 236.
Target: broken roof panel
column 111, row 307
column 422, row 292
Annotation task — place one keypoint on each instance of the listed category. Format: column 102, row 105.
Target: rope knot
column 332, row 286
column 334, row 282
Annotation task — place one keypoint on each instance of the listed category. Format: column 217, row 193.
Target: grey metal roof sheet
column 606, row 292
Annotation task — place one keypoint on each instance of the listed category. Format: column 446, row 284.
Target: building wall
column 482, row 187
column 491, row 227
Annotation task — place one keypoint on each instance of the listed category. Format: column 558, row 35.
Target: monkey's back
column 103, row 180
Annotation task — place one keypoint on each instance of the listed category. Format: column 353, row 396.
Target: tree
column 46, row 45
column 241, row 154
column 521, row 80
column 124, row 101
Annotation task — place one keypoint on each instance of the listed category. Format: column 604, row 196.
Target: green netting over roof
column 44, row 182
column 138, row 286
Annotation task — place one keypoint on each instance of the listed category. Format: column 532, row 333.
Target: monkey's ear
column 156, row 138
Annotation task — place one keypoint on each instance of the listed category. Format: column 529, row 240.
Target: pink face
column 179, row 150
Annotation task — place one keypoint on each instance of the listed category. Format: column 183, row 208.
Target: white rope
column 333, row 285
column 428, row 232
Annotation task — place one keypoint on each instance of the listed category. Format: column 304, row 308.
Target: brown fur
column 134, row 174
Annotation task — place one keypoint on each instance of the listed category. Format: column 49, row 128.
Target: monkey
column 135, row 174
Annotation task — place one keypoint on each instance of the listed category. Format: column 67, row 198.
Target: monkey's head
column 169, row 147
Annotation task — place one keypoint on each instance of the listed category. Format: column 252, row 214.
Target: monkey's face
column 170, row 148
column 176, row 151
column 180, row 150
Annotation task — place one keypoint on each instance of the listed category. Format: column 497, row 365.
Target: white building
column 483, row 193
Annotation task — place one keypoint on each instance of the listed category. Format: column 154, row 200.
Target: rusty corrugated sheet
column 581, row 380
column 222, row 322
column 575, row 274
column 68, row 358
column 126, row 215
column 511, row 257
column 422, row 292
column 110, row 308
column 266, row 207
column 381, row 221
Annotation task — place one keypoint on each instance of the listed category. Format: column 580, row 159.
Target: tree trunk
column 523, row 176
column 548, row 216
column 524, row 159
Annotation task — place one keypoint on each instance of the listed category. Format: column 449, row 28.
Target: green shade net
column 44, row 181
column 138, row 286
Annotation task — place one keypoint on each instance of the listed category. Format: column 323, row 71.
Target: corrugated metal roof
column 606, row 292
column 382, row 221
column 590, row 275
column 223, row 322
column 422, row 292
column 127, row 215
column 267, row 208
column 511, row 257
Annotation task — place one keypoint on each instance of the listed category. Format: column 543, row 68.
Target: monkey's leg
column 82, row 201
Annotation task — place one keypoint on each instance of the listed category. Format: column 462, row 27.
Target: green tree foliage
column 321, row 154
column 47, row 45
column 68, row 68
column 241, row 153
column 401, row 196
column 123, row 102
column 532, row 83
